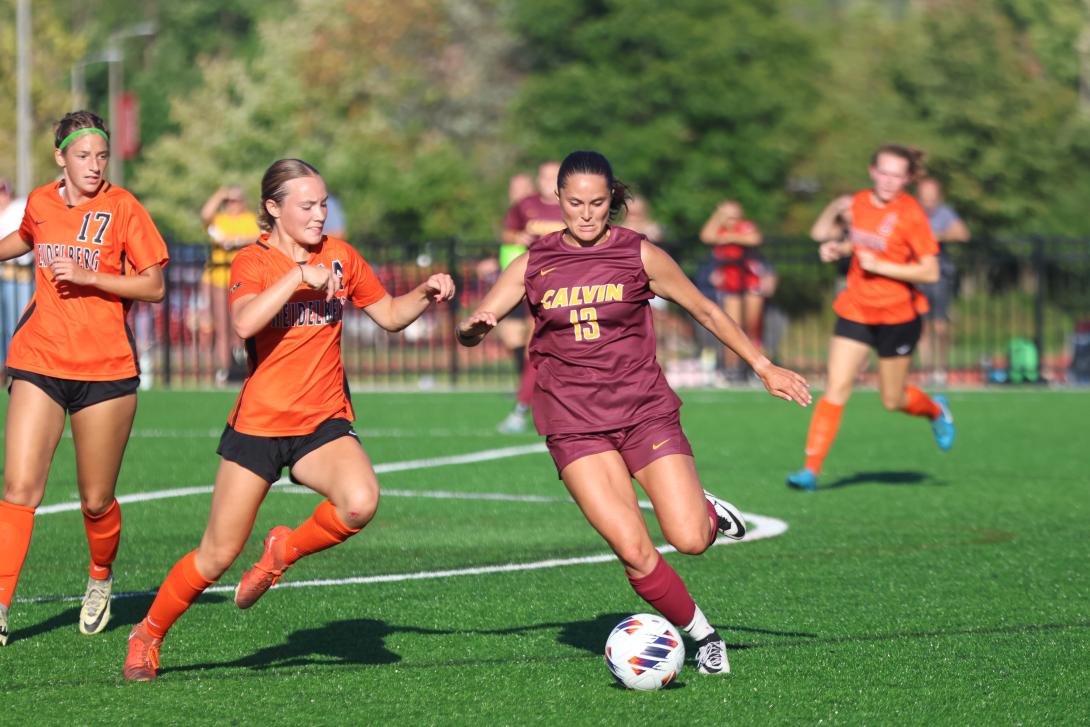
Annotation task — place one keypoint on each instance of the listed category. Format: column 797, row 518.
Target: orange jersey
column 297, row 378
column 82, row 334
column 898, row 232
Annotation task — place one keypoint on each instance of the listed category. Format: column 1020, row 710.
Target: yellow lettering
column 614, row 291
column 545, row 299
column 575, row 298
column 590, row 292
column 561, row 299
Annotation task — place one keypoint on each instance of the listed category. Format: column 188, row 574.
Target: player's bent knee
column 23, row 494
column 98, row 504
column 690, row 543
column 892, row 403
column 637, row 556
column 357, row 507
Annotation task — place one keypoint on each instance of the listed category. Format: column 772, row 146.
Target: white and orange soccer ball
column 645, row 652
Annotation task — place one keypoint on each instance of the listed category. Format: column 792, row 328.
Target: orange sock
column 16, row 525
column 103, row 537
column 919, row 404
column 323, row 529
column 183, row 585
column 823, row 429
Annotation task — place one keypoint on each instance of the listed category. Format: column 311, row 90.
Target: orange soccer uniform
column 77, row 333
column 83, row 336
column 898, row 232
column 297, row 378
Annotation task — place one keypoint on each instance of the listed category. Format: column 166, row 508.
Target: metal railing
column 1035, row 289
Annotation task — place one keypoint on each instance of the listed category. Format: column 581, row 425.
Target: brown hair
column 915, row 157
column 75, row 121
column 274, row 185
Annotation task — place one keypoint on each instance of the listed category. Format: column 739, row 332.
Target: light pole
column 113, row 55
column 23, row 121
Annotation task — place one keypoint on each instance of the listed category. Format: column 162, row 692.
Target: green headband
column 82, row 132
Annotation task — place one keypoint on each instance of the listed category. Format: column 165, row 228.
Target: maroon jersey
column 593, row 343
column 534, row 216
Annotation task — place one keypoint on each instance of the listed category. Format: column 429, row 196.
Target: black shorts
column 889, row 340
column 268, row 456
column 73, row 395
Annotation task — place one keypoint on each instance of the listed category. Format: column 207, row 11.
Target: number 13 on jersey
column 587, row 330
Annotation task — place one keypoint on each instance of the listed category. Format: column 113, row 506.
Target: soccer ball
column 645, row 652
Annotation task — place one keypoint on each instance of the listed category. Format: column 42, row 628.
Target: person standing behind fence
column 16, row 276
column 231, row 225
column 288, row 295
column 892, row 251
column 527, row 220
column 96, row 250
column 947, row 228
column 738, row 276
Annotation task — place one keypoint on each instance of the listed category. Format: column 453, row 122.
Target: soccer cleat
column 711, row 655
column 266, row 571
column 95, row 613
column 513, row 423
column 729, row 521
column 142, row 661
column 3, row 625
column 804, row 480
column 943, row 424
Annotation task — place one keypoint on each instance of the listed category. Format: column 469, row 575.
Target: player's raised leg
column 237, row 495
column 690, row 521
column 33, row 428
column 100, row 433
column 342, row 472
column 897, row 395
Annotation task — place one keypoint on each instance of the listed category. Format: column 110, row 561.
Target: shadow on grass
column 356, row 641
column 125, row 612
column 893, row 477
column 591, row 635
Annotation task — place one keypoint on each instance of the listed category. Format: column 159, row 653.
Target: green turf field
column 913, row 588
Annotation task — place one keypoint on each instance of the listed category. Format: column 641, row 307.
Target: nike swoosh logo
column 656, row 446
column 545, row 272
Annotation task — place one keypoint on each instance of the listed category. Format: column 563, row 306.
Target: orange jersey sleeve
column 899, row 233
column 297, row 379
column 79, row 332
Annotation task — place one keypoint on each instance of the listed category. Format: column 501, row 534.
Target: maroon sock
column 665, row 590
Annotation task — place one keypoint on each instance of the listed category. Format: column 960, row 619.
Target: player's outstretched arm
column 395, row 314
column 668, row 281
column 13, row 246
column 507, row 293
column 925, row 270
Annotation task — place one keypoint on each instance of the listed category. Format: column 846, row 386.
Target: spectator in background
column 638, row 218
column 231, row 225
column 16, row 276
column 738, row 275
column 947, row 228
column 529, row 217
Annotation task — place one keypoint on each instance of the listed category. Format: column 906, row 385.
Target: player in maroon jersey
column 601, row 398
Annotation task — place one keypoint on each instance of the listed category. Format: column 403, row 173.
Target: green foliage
column 692, row 101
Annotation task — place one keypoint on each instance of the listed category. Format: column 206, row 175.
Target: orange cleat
column 266, row 571
column 142, row 662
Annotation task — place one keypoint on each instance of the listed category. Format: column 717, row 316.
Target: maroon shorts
column 639, row 445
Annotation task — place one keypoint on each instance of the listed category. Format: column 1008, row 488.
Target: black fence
column 1021, row 311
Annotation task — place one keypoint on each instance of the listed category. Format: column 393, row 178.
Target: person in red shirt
column 738, row 276
column 528, row 219
column 601, row 398
column 96, row 249
column 288, row 293
column 892, row 251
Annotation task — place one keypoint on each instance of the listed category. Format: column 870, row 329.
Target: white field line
column 762, row 526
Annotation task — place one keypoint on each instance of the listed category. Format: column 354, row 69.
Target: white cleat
column 711, row 655
column 729, row 520
column 95, row 613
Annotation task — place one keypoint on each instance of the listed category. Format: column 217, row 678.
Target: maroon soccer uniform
column 593, row 342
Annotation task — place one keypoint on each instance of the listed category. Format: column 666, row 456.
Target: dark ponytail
column 591, row 162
